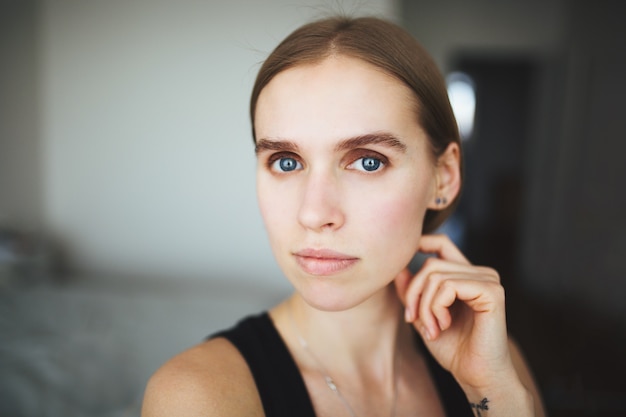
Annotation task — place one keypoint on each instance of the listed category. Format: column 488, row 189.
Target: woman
column 358, row 159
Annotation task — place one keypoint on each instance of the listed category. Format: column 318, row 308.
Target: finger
column 443, row 247
column 440, row 292
column 480, row 295
column 429, row 326
column 442, row 301
column 416, row 284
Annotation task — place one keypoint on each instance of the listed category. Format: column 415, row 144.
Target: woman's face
column 344, row 178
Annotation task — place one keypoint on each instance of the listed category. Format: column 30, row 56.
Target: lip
column 323, row 262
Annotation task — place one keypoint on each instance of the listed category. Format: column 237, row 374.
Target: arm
column 525, row 375
column 459, row 310
column 510, row 398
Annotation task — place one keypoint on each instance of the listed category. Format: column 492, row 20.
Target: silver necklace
column 327, row 378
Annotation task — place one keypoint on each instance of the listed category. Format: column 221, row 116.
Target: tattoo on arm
column 481, row 406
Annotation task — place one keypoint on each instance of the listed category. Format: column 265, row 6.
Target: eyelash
column 367, row 154
column 361, row 154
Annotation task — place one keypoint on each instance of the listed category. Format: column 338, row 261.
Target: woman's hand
column 458, row 308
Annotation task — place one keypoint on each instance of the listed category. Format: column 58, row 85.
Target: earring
column 441, row 200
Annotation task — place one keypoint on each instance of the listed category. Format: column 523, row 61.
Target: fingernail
column 407, row 315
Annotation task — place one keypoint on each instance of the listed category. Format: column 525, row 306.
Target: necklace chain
column 329, row 380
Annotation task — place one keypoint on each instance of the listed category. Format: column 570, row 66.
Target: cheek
column 394, row 225
column 274, row 207
column 267, row 206
column 398, row 217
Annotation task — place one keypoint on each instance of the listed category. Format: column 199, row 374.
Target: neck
column 364, row 340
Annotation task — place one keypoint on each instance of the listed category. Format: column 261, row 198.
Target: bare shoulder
column 210, row 379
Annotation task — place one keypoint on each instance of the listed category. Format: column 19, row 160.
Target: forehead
column 339, row 97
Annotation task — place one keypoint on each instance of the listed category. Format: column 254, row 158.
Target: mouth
column 323, row 262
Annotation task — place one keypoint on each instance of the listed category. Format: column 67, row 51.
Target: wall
column 445, row 27
column 20, row 159
column 148, row 164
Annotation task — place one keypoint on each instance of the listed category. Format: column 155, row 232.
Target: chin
column 329, row 296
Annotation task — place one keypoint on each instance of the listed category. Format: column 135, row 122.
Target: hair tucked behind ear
column 389, row 48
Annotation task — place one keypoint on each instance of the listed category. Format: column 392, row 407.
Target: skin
column 343, row 236
column 333, row 203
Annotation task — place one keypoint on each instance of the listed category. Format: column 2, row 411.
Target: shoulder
column 210, row 379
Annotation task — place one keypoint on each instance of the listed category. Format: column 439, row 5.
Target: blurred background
column 128, row 221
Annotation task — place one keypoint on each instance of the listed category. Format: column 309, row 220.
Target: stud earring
column 441, row 200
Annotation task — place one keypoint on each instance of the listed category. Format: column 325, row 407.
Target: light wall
column 148, row 164
column 20, row 159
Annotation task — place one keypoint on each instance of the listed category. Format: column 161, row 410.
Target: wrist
column 510, row 400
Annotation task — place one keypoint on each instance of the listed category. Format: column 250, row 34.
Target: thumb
column 402, row 281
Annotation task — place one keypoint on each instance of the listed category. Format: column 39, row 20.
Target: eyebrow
column 275, row 145
column 379, row 138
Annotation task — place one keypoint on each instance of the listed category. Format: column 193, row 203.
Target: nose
column 320, row 207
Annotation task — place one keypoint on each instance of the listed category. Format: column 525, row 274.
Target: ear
column 447, row 177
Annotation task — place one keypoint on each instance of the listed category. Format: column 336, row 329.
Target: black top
column 280, row 385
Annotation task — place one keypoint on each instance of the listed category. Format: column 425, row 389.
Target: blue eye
column 370, row 164
column 286, row 164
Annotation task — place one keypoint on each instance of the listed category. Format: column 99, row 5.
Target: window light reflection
column 462, row 96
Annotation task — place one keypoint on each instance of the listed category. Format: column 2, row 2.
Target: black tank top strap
column 278, row 380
